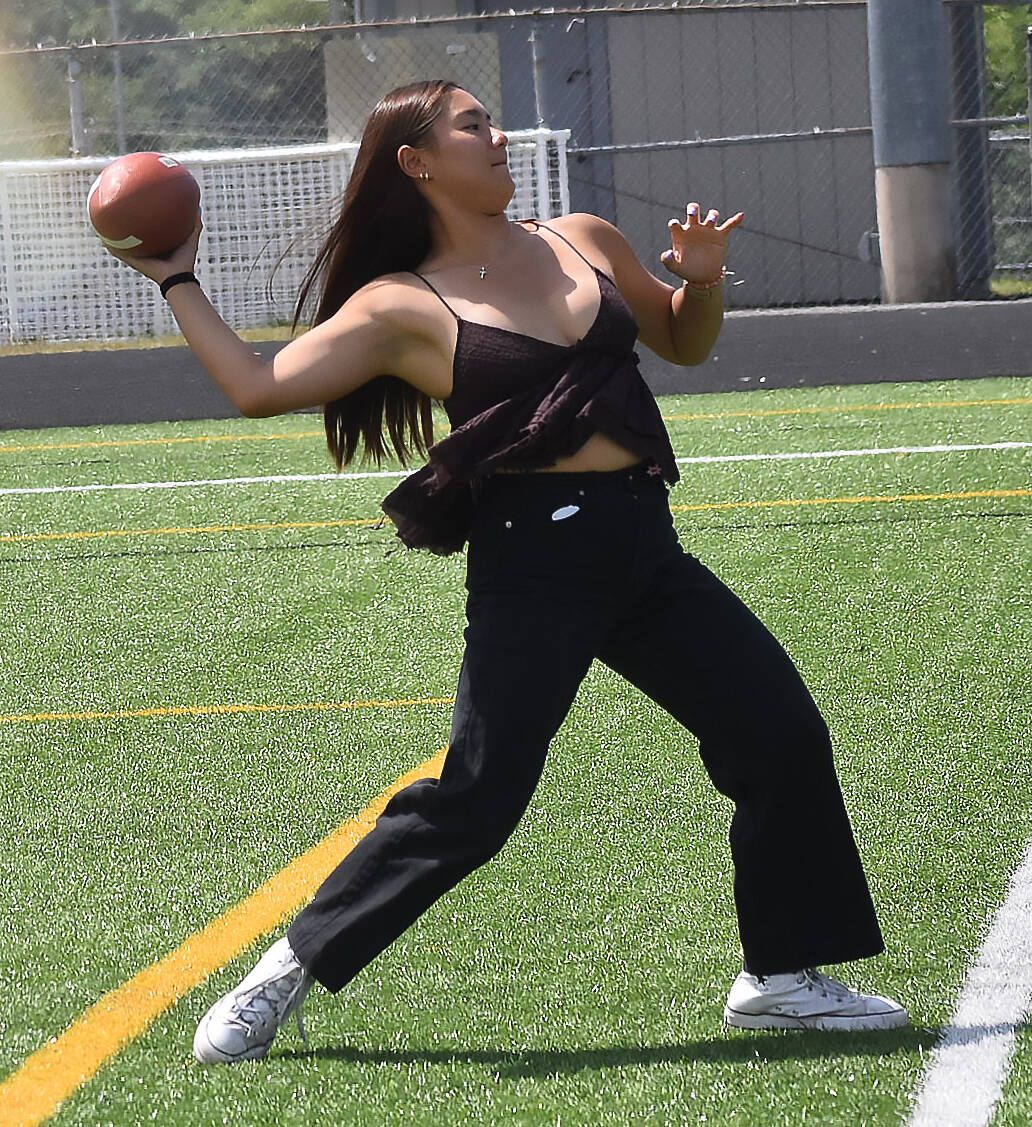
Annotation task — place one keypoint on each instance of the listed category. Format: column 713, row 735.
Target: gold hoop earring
column 424, row 175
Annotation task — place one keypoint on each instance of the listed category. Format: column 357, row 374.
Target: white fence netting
column 265, row 212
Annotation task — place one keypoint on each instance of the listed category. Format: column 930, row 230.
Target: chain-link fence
column 991, row 144
column 993, row 162
column 745, row 105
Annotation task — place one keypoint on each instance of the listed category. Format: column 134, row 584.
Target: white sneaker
column 807, row 1000
column 242, row 1024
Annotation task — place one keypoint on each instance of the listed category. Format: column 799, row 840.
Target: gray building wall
column 732, row 73
column 699, row 73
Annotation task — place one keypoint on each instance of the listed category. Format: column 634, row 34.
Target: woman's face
column 467, row 157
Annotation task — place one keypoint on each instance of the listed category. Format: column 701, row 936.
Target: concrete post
column 912, row 148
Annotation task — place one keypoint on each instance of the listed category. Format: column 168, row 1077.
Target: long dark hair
column 383, row 227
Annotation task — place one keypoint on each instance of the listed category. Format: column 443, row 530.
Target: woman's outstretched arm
column 364, row 339
column 680, row 325
column 697, row 257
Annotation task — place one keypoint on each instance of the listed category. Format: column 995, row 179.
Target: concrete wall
column 757, row 349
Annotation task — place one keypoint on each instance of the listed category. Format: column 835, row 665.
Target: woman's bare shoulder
column 594, row 237
column 402, row 301
column 583, row 221
column 400, row 292
column 420, row 329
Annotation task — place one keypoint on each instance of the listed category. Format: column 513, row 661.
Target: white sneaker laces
column 826, row 987
column 269, row 1003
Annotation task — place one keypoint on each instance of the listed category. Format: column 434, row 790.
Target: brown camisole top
column 521, row 403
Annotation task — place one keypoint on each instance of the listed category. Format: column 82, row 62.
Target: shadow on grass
column 378, row 537
column 855, row 521
column 729, row 1048
column 208, row 549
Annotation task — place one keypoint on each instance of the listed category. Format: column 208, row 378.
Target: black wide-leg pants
column 562, row 569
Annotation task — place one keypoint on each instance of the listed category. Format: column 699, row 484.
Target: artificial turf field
column 578, row 979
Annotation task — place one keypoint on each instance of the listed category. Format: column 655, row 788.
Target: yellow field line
column 36, row 536
column 219, row 710
column 758, row 414
column 98, row 444
column 29, row 538
column 847, row 408
column 25, row 538
column 853, row 500
column 50, row 1075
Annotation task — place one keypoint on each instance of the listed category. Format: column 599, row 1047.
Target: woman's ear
column 411, row 162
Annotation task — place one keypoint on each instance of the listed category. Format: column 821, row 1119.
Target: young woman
column 554, row 473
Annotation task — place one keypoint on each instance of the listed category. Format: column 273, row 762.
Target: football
column 144, row 203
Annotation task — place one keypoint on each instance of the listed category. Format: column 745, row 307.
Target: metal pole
column 75, row 110
column 537, row 51
column 1028, row 84
column 116, row 35
column 14, row 278
column 972, row 185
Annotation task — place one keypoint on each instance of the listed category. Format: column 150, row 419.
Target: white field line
column 144, row 485
column 871, row 453
column 966, row 1073
column 698, row 460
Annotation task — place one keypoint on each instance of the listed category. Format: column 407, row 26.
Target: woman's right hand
column 178, row 261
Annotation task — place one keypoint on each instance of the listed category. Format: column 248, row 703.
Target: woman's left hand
column 699, row 246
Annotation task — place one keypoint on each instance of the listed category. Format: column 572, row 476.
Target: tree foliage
column 1005, row 35
column 25, row 23
column 215, row 93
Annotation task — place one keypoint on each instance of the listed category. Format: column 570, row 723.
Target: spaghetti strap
column 539, row 225
column 434, row 289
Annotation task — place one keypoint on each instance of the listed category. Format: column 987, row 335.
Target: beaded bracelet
column 707, row 289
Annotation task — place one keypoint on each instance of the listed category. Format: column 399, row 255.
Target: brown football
column 144, row 203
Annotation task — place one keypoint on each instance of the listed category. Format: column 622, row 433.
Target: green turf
column 1016, row 1106
column 578, row 979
